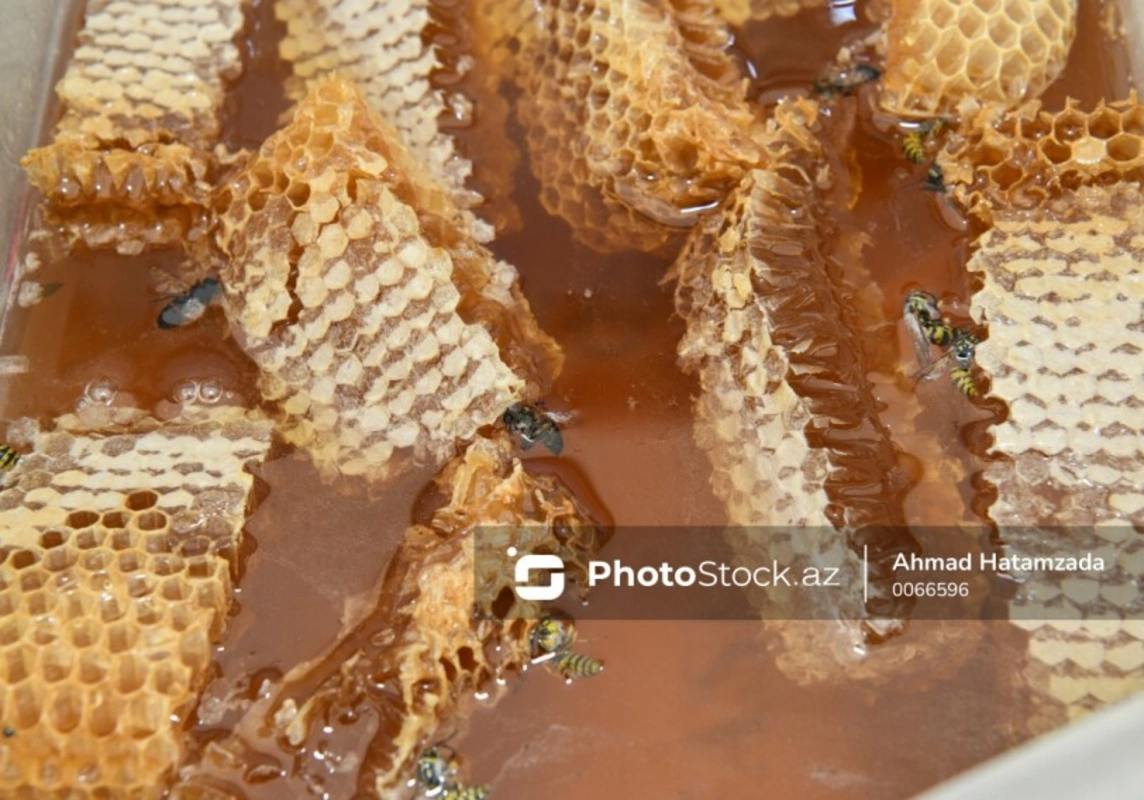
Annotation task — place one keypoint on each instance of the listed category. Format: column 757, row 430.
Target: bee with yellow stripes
column 437, row 774
column 9, row 458
column 465, row 793
column 914, row 142
column 553, row 635
column 577, row 665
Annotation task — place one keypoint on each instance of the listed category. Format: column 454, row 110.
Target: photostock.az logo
column 536, row 562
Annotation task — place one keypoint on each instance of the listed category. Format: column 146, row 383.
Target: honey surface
column 685, row 709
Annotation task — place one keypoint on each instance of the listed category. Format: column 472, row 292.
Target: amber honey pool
column 281, row 267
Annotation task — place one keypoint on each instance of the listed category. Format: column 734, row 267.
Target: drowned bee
column 928, row 327
column 190, row 305
column 845, row 82
column 534, row 425
column 914, row 142
column 436, row 773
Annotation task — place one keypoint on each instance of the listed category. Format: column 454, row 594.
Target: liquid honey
column 684, row 709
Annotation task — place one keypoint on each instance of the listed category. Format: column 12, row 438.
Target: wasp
column 437, row 775
column 935, row 179
column 922, row 309
column 533, row 425
column 845, row 82
column 963, row 349
column 577, row 665
column 914, row 142
column 190, row 305
column 552, row 635
column 9, row 458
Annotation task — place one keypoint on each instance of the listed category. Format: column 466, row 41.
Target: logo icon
column 527, row 564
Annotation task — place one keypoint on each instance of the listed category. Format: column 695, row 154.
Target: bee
column 914, row 142
column 190, row 305
column 963, row 349
column 845, row 82
column 924, row 316
column 963, row 380
column 577, row 665
column 465, row 793
column 9, row 458
column 935, row 179
column 552, row 635
column 533, row 426
column 9, row 733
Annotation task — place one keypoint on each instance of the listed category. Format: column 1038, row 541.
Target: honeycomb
column 1023, row 157
column 994, row 52
column 422, row 641
column 385, row 47
column 785, row 412
column 1072, row 444
column 740, row 12
column 634, row 112
column 381, row 328
column 130, row 163
column 115, row 577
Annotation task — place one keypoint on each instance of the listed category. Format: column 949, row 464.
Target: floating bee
column 914, row 142
column 963, row 349
column 190, row 305
column 437, row 775
column 9, row 458
column 533, row 425
column 923, row 315
column 935, row 179
column 552, row 635
column 577, row 665
column 845, row 82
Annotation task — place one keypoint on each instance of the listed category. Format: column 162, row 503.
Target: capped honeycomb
column 130, row 164
column 1023, row 157
column 423, row 642
column 386, row 47
column 785, row 412
column 381, row 328
column 115, row 574
column 1063, row 297
column 634, row 112
column 994, row 52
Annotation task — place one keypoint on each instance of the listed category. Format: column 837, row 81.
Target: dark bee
column 845, row 82
column 935, row 179
column 552, row 635
column 533, row 426
column 9, row 733
column 190, row 305
column 914, row 142
column 9, row 458
column 577, row 665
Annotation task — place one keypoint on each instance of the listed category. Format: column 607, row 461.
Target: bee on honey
column 845, row 82
column 922, row 313
column 963, row 349
column 552, row 635
column 437, row 775
column 190, row 305
column 577, row 665
column 914, row 142
column 9, row 458
column 935, row 179
column 533, row 425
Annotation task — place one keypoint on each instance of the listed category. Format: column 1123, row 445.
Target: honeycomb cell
column 141, row 500
column 940, row 52
column 151, row 521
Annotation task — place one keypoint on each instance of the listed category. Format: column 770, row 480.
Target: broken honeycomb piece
column 130, row 164
column 380, row 326
column 634, row 112
column 387, row 49
column 782, row 391
column 115, row 576
column 995, row 52
column 422, row 642
column 1019, row 159
column 740, row 12
column 1063, row 296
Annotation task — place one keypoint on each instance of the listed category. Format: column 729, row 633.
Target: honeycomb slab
column 381, row 327
column 115, row 574
column 991, row 52
column 1063, row 297
column 130, row 165
column 634, row 113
